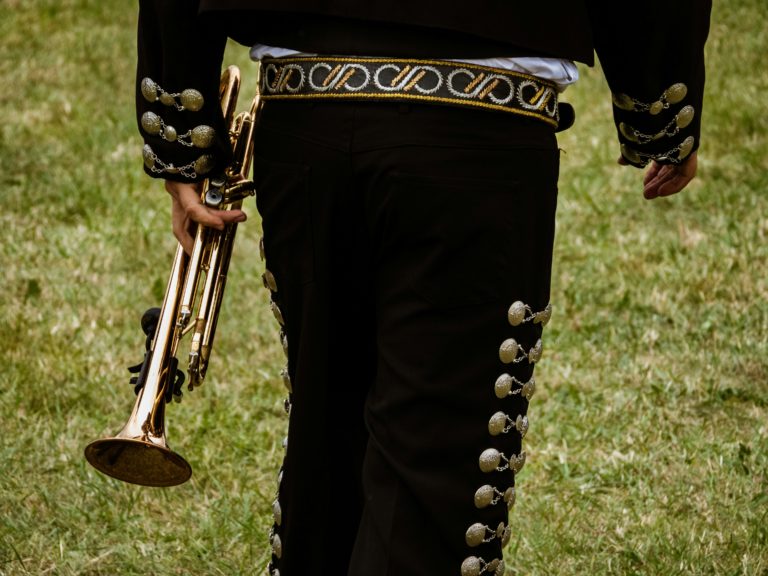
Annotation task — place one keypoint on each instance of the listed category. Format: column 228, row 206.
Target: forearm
column 177, row 83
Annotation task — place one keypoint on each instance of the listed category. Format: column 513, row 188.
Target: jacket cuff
column 665, row 129
column 168, row 153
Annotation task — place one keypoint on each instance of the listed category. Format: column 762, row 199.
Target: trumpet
column 139, row 452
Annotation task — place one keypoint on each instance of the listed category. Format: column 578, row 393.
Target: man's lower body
column 409, row 251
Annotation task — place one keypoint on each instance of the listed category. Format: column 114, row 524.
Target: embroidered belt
column 436, row 81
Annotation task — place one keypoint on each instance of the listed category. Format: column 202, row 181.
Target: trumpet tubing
column 139, row 452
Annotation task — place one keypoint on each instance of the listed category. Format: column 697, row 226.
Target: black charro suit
column 409, row 251
column 659, row 46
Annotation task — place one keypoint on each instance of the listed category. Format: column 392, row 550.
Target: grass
column 649, row 431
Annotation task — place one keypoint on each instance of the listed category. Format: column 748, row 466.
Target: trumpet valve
column 239, row 191
column 214, row 195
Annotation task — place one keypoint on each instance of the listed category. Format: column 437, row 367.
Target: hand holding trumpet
column 187, row 208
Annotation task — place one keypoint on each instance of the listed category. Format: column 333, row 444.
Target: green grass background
column 648, row 449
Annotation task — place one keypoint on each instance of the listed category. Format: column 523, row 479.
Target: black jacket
column 653, row 59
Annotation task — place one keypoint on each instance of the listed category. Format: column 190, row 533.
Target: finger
column 188, row 210
column 198, row 212
column 186, row 240
column 656, row 170
column 182, row 228
column 673, row 178
column 668, row 182
column 653, row 179
column 652, row 187
column 188, row 196
column 673, row 185
column 186, row 229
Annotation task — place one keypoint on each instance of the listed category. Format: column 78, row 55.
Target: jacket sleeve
column 653, row 60
column 177, row 91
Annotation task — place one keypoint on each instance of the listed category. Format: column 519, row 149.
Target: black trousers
column 398, row 236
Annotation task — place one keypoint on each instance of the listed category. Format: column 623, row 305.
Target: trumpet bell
column 138, row 461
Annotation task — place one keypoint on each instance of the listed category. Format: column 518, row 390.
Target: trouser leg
column 399, row 238
column 313, row 250
column 463, row 227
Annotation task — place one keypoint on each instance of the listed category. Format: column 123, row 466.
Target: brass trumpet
column 139, row 452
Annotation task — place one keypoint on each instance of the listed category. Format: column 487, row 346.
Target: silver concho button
column 277, row 313
column 148, row 155
column 489, row 460
column 286, row 380
column 277, row 512
column 167, row 99
column 510, row 497
column 516, row 463
column 277, row 545
column 497, row 423
column 631, row 155
column 269, row 281
column 516, row 313
column 544, row 316
column 475, row 535
column 685, row 116
column 471, row 566
column 204, row 164
column 521, row 425
column 623, row 101
column 492, row 565
column 685, row 148
column 656, row 107
column 628, row 132
column 484, row 496
column 191, row 99
column 508, row 350
column 503, row 386
column 676, row 92
column 500, row 530
column 149, row 89
column 528, row 389
column 534, row 354
column 505, row 536
column 202, row 136
column 170, row 134
column 151, row 123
